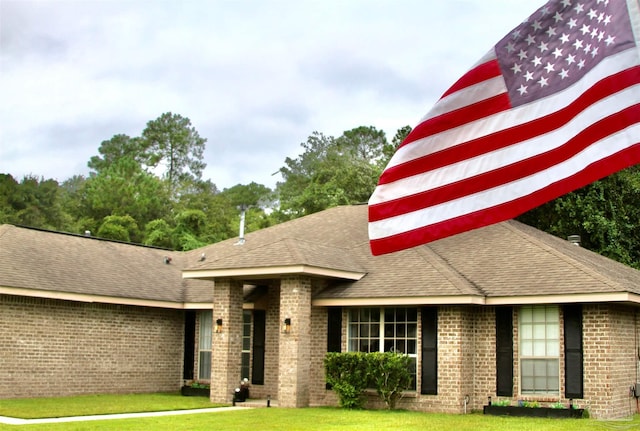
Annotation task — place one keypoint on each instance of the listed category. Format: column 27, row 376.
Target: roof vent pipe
column 574, row 239
column 243, row 209
column 87, row 233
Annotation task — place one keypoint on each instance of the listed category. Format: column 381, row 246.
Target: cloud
column 256, row 78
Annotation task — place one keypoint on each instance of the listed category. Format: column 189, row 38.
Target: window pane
column 526, row 315
column 411, row 347
column 539, row 314
column 553, row 348
column 539, row 348
column 527, row 332
column 539, row 331
column 206, row 322
column 364, row 330
column 389, row 314
column 412, row 315
column 412, row 330
column 553, row 332
column 527, row 348
column 204, row 365
column 400, row 330
column 388, row 330
column 527, row 367
column 388, row 345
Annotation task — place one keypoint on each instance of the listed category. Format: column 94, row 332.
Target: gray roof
column 49, row 261
column 499, row 261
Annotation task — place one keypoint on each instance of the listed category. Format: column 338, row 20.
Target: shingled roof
column 494, row 264
column 506, row 263
column 42, row 263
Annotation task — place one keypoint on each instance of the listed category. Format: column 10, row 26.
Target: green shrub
column 347, row 374
column 389, row 375
column 351, row 373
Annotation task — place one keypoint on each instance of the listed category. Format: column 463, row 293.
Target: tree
column 119, row 228
column 331, row 171
column 171, row 142
column 114, row 149
column 124, row 188
column 603, row 213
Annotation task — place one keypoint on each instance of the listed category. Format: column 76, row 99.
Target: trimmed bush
column 389, row 375
column 351, row 373
column 347, row 375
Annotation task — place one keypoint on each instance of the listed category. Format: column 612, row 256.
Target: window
column 246, row 345
column 539, row 350
column 384, row 330
column 204, row 345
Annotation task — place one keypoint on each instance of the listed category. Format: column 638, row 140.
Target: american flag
column 553, row 106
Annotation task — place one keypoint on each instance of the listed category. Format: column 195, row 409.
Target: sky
column 255, row 77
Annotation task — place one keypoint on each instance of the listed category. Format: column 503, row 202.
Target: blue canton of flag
column 553, row 50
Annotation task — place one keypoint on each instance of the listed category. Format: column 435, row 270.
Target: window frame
column 383, row 326
column 550, row 341
column 205, row 322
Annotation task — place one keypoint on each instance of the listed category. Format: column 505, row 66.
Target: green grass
column 30, row 408
column 263, row 419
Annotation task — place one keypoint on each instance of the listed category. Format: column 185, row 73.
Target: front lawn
column 264, row 419
column 84, row 405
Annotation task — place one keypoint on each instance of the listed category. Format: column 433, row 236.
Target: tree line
column 149, row 190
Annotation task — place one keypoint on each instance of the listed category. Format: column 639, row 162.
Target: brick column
column 295, row 346
column 226, row 345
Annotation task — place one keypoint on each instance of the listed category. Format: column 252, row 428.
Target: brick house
column 505, row 311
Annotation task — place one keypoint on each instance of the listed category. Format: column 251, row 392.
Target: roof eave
column 273, row 271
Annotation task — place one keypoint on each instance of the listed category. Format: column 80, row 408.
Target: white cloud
column 256, row 78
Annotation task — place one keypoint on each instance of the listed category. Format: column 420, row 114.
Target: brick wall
column 610, row 358
column 57, row 348
column 484, row 359
column 295, row 346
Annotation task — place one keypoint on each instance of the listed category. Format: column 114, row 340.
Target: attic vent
column 167, row 260
column 574, row 239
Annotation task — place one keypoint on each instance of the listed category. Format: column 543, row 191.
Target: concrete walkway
column 17, row 421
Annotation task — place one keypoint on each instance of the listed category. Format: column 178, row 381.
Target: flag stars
column 610, row 40
column 549, row 68
column 577, row 44
column 528, row 76
column 570, row 59
column 551, row 31
column 517, row 68
column 579, row 8
column 543, row 82
column 522, row 54
column 536, row 26
column 522, row 89
column 564, row 38
column 537, row 61
column 586, row 29
column 557, row 53
column 572, row 23
column 592, row 14
column 564, row 73
column 543, row 47
column 530, row 39
column 557, row 17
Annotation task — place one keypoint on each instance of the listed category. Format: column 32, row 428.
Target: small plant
column 347, row 375
column 501, row 403
column 531, row 404
column 558, row 405
column 198, row 385
column 390, row 376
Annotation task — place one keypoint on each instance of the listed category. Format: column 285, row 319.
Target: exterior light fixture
column 218, row 326
column 286, row 325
